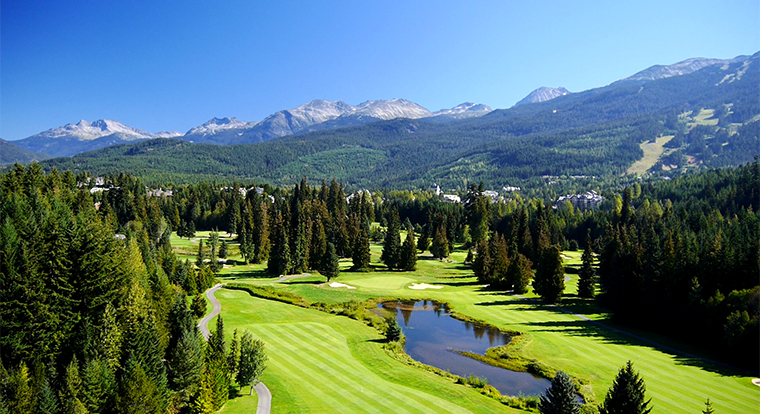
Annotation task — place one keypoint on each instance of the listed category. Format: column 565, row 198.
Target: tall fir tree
column 252, row 360
column 586, row 276
column 279, row 258
column 549, row 282
column 481, row 266
column 440, row 246
column 392, row 242
column 408, row 259
column 360, row 253
column 519, row 273
column 330, row 263
column 627, row 394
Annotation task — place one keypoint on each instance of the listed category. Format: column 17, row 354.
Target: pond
column 432, row 335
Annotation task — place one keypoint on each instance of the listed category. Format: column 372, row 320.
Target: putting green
column 324, row 363
column 387, row 283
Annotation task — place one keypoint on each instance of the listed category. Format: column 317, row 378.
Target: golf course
column 323, row 362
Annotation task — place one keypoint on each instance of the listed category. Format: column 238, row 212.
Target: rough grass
column 652, row 152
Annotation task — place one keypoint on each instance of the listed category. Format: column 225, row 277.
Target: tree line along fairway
column 561, row 340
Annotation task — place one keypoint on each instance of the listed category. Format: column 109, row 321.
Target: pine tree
column 223, row 249
column 392, row 242
column 20, row 396
column 137, row 393
column 627, row 394
column 408, row 259
column 47, row 402
column 559, row 397
column 198, row 305
column 185, row 365
column 330, row 263
column 708, row 408
column 203, row 402
column 499, row 263
column 440, row 246
column 99, row 386
column 393, row 331
column 586, row 277
column 279, row 258
column 233, row 357
column 252, row 360
column 519, row 273
column 201, row 257
column 360, row 253
column 71, row 391
column 481, row 266
column 549, row 282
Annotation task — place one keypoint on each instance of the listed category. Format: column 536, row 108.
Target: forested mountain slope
column 710, row 113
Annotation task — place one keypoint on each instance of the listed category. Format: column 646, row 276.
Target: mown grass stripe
column 305, row 375
column 349, row 379
column 422, row 401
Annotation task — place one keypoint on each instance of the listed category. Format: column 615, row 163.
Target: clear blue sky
column 166, row 65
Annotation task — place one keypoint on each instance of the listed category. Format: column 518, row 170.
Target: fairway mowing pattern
column 309, row 353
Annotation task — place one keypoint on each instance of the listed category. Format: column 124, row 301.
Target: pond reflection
column 432, row 334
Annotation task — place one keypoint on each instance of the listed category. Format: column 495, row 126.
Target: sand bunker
column 756, row 381
column 339, row 285
column 421, row 286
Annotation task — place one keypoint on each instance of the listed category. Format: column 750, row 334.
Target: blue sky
column 166, row 65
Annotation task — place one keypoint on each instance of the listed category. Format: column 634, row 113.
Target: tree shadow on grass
column 250, row 274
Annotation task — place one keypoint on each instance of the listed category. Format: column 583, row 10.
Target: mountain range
column 316, row 115
column 684, row 118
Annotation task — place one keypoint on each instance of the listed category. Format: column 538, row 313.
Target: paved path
column 265, row 397
column 284, row 278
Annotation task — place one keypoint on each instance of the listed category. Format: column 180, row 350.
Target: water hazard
column 432, row 334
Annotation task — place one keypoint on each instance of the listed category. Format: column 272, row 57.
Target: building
column 586, row 201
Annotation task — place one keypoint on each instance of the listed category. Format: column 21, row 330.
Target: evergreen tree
column 708, row 408
column 190, row 232
column 20, row 396
column 586, row 277
column 470, row 257
column 393, row 331
column 360, row 253
column 499, row 267
column 279, row 258
column 47, row 402
column 519, row 273
column 627, row 394
column 252, row 360
column 201, row 257
column 408, row 259
column 549, row 282
column 223, row 249
column 392, row 242
column 198, row 305
column 203, row 402
column 137, row 393
column 330, row 264
column 440, row 246
column 99, row 386
column 481, row 266
column 560, row 397
column 185, row 365
column 71, row 391
column 233, row 357
column 423, row 243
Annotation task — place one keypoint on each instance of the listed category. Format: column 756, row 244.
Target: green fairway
column 324, row 363
column 676, row 383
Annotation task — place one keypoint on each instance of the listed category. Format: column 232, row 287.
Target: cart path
column 265, row 397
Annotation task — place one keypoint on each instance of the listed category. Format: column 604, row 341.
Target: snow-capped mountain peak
column 543, row 94
column 215, row 125
column 464, row 110
column 87, row 131
column 391, row 109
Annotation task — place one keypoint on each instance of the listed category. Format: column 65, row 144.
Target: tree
column 559, row 397
column 279, row 259
column 233, row 357
column 481, row 266
column 20, row 396
column 586, row 277
column 198, row 305
column 185, row 365
column 440, row 246
column 138, row 394
column 549, row 282
column 360, row 253
column 627, row 394
column 392, row 331
column 223, row 249
column 408, row 259
column 519, row 273
column 252, row 360
column 708, row 408
column 392, row 243
column 330, row 263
